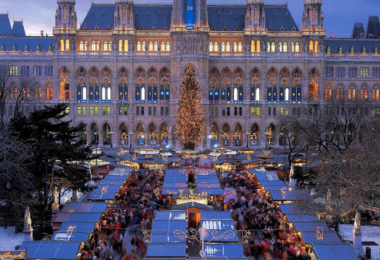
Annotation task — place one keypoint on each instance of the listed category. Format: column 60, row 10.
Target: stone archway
column 106, row 134
column 94, row 134
column 140, row 134
column 123, row 134
column 225, row 135
column 152, row 134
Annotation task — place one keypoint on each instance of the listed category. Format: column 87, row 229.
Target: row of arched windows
column 95, row 92
column 153, row 46
column 32, row 93
column 283, row 47
column 226, row 47
column 95, row 46
column 340, row 93
column 151, row 92
column 288, row 91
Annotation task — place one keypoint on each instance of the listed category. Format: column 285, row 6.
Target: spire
column 123, row 17
column 313, row 19
column 255, row 17
column 66, row 16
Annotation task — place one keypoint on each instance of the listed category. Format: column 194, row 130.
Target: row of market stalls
column 314, row 232
column 74, row 224
column 171, row 238
column 191, row 185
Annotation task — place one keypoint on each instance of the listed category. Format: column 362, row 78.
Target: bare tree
column 292, row 138
column 333, row 126
column 4, row 93
column 16, row 183
column 16, row 91
column 349, row 178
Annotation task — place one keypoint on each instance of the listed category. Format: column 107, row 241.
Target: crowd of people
column 270, row 236
column 132, row 212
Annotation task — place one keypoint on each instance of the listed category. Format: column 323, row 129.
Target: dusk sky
column 340, row 15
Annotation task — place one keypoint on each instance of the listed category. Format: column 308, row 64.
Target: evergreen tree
column 191, row 127
column 55, row 145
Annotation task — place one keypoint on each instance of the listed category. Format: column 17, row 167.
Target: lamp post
column 267, row 136
column 247, row 134
column 85, row 136
column 130, row 133
column 111, row 133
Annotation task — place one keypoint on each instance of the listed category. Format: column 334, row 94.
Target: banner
column 190, row 12
column 12, row 255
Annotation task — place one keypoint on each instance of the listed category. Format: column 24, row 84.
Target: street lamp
column 267, row 136
column 111, row 133
column 130, row 133
column 247, row 133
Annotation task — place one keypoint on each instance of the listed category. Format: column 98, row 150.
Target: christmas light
column 191, row 127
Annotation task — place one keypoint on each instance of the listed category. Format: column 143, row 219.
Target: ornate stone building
column 120, row 71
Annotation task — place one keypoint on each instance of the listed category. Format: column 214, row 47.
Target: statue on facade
column 194, row 46
column 184, row 45
column 220, row 47
column 56, row 46
column 323, row 47
column 114, row 47
column 357, row 223
column 201, row 44
column 264, row 46
column 178, row 45
column 146, row 46
column 87, row 46
column 27, row 220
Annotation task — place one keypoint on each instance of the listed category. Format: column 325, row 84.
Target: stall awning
column 218, row 224
column 68, row 236
column 84, row 207
column 166, row 250
column 51, row 249
column 329, row 237
column 101, row 196
column 335, row 252
column 223, row 250
column 168, row 227
column 170, row 215
column 309, row 226
column 84, row 217
column 287, row 195
column 77, row 227
column 166, row 238
column 215, row 215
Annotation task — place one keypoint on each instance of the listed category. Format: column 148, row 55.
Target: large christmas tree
column 191, row 127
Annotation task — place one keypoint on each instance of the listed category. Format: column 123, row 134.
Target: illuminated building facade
column 122, row 68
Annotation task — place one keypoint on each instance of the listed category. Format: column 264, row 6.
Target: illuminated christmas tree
column 191, row 127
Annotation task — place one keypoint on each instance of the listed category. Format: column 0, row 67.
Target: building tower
column 189, row 14
column 65, row 25
column 255, row 17
column 124, row 22
column 312, row 20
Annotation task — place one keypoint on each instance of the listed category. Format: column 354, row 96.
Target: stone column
column 357, row 241
column 28, row 234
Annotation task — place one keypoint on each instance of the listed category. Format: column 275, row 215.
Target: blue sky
column 340, row 15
